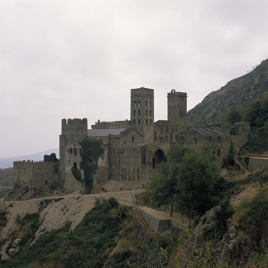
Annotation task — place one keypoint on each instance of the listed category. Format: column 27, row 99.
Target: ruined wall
column 35, row 178
column 254, row 163
column 165, row 132
column 73, row 131
column 111, row 125
column 239, row 134
column 195, row 138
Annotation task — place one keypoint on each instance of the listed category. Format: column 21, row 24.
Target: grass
column 88, row 245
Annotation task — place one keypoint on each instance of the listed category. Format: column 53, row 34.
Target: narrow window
column 219, row 152
column 134, row 113
column 139, row 121
column 139, row 112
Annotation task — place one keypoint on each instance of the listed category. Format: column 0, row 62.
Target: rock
column 16, row 242
column 12, row 251
column 232, row 232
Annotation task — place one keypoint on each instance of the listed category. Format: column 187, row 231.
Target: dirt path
column 62, row 209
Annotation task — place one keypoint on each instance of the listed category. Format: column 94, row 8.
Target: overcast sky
column 79, row 59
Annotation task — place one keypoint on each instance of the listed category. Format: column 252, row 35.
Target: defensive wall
column 34, row 178
column 254, row 163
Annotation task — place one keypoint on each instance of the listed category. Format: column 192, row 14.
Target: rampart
column 112, row 124
column 254, row 163
column 33, row 178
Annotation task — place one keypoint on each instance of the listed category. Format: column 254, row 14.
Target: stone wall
column 158, row 225
column 35, row 178
column 111, row 125
column 254, row 163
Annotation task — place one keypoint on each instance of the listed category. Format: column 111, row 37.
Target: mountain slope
column 8, row 162
column 242, row 90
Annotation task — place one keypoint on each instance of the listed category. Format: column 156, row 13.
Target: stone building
column 130, row 149
column 35, row 178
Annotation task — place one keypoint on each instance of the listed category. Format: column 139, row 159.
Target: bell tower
column 177, row 109
column 142, row 110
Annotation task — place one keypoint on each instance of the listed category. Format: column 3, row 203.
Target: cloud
column 66, row 59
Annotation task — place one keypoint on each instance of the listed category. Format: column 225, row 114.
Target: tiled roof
column 104, row 132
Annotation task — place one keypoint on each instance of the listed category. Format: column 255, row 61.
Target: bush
column 254, row 222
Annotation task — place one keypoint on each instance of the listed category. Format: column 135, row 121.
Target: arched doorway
column 158, row 157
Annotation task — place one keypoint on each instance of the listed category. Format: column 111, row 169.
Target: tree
column 187, row 179
column 50, row 158
column 234, row 116
column 163, row 186
column 196, row 182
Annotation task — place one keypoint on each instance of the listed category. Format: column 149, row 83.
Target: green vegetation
column 44, row 203
column 88, row 245
column 254, row 221
column 3, row 218
column 234, row 116
column 238, row 94
column 91, row 151
column 77, row 174
column 257, row 115
column 50, row 158
column 188, row 179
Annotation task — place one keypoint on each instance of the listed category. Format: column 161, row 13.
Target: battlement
column 73, row 123
column 111, row 124
column 177, row 94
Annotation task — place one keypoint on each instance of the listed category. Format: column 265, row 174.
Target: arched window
column 158, row 157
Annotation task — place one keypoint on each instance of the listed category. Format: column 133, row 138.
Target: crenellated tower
column 177, row 109
column 72, row 132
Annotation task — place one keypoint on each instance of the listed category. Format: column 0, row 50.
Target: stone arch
column 158, row 157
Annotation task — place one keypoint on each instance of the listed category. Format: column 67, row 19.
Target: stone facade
column 35, row 178
column 132, row 148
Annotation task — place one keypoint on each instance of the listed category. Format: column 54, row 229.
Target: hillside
column 7, row 162
column 69, row 231
column 240, row 91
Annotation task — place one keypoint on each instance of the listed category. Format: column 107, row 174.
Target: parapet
column 179, row 94
column 73, row 124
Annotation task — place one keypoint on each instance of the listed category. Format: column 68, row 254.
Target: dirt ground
column 69, row 208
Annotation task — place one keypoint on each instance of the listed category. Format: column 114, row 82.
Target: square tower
column 142, row 107
column 177, row 109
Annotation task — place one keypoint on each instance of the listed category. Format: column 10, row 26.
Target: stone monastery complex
column 130, row 149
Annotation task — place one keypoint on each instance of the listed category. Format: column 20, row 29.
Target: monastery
column 129, row 150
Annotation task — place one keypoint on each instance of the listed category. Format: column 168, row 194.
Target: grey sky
column 77, row 59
